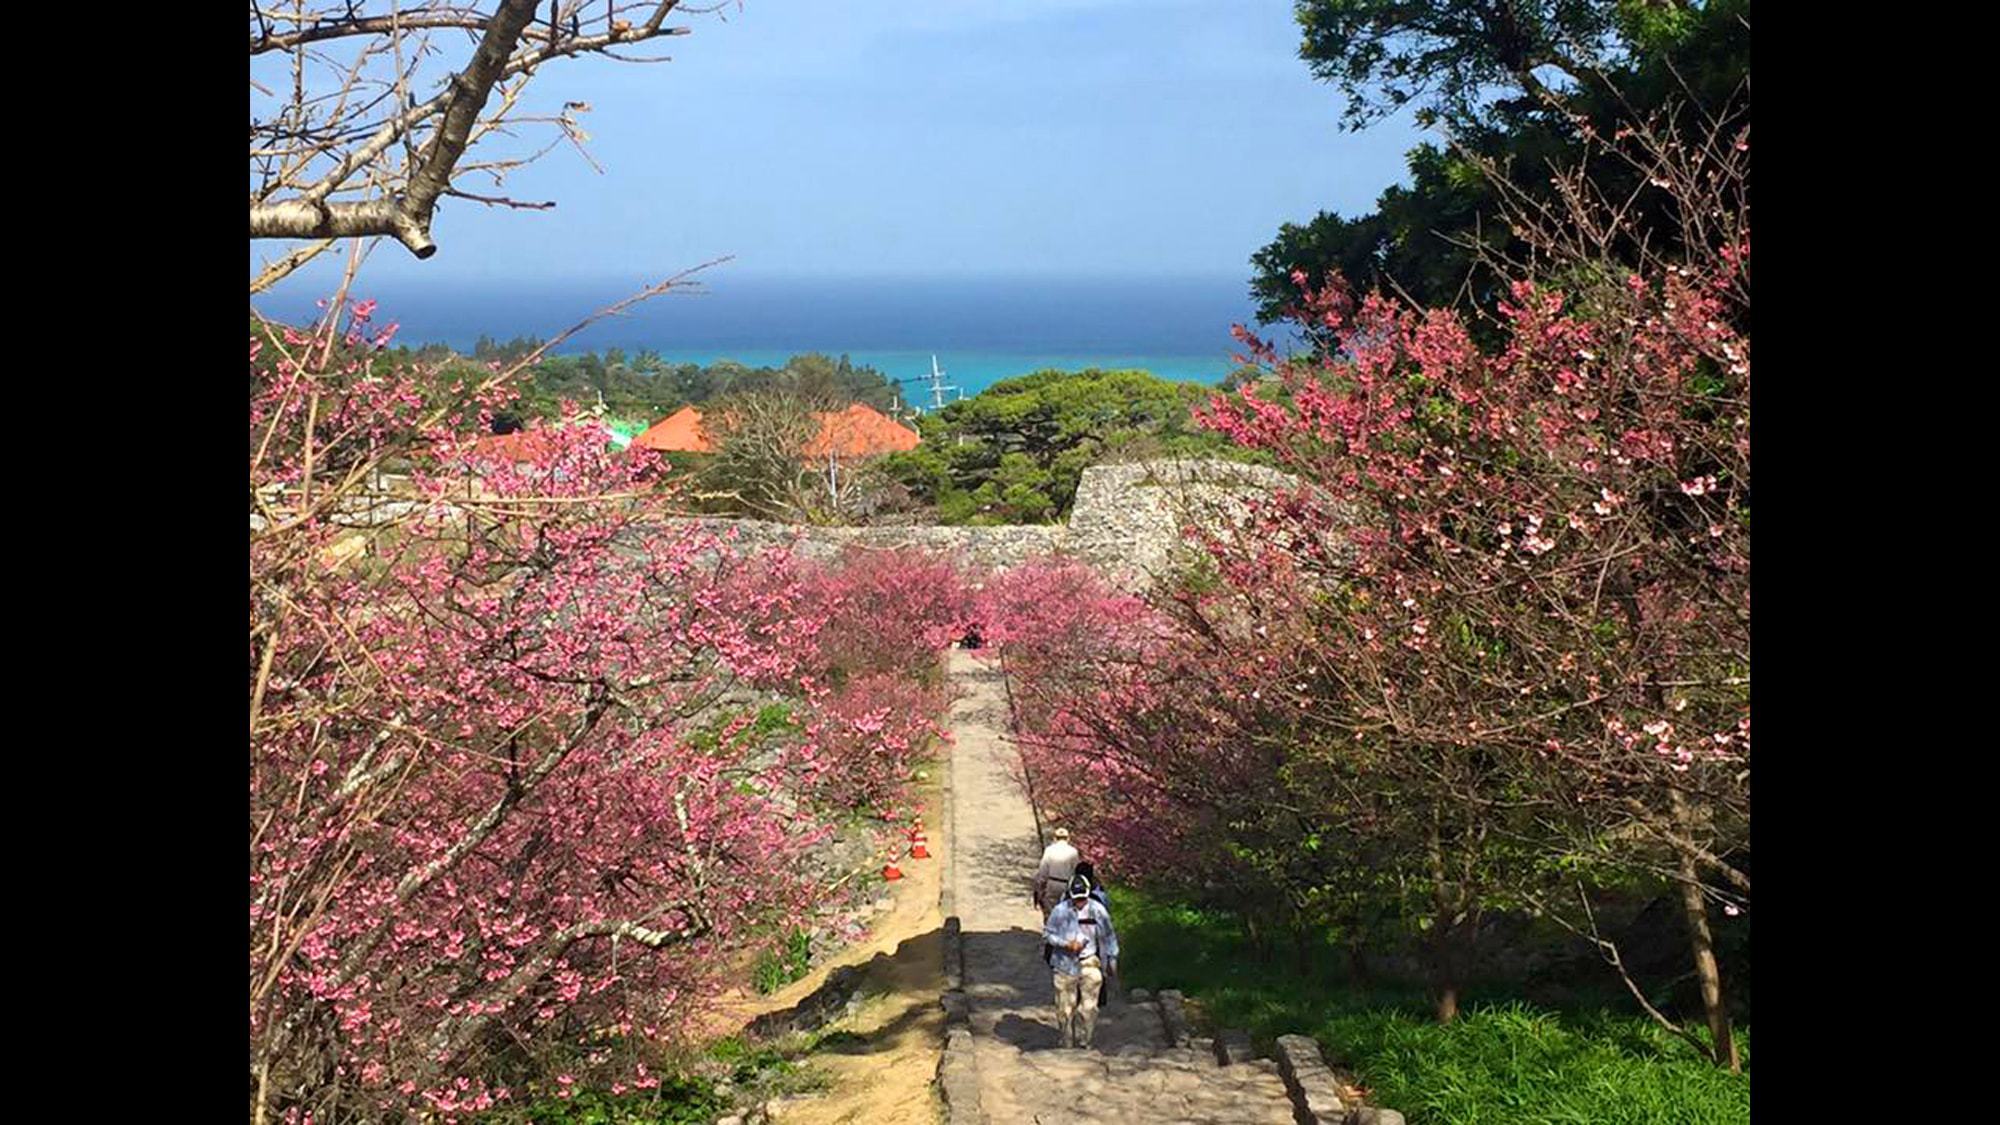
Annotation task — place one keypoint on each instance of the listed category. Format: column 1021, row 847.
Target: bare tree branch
column 408, row 219
column 284, row 266
column 324, row 161
column 376, row 25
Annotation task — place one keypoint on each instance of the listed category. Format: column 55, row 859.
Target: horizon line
column 715, row 274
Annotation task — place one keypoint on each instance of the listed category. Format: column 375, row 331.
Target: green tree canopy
column 1448, row 57
column 1472, row 65
column 1014, row 452
column 1471, row 62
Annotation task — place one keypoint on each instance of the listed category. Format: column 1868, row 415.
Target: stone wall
column 1127, row 521
column 996, row 547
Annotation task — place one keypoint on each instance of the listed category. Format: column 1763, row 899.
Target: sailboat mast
column 938, row 387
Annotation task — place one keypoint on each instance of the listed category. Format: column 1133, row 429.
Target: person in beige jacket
column 1052, row 877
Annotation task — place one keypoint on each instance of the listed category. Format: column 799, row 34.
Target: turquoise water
column 974, row 371
column 981, row 329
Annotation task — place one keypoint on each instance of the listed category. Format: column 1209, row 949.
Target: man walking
column 1086, row 872
column 1052, row 877
column 1082, row 947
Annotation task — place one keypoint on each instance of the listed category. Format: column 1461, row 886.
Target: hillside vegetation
column 1014, row 452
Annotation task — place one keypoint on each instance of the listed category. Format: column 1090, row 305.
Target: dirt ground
column 883, row 1074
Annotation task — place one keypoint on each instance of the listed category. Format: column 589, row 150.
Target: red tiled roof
column 679, row 432
column 521, row 445
column 858, row 431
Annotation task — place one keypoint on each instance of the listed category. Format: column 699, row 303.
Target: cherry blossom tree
column 488, row 849
column 1494, row 650
column 1551, row 556
column 1180, row 737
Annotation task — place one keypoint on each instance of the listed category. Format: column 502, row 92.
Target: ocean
column 980, row 329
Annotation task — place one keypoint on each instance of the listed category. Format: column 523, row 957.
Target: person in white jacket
column 1052, row 877
column 1083, row 949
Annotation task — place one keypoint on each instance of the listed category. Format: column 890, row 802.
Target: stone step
column 1132, row 1082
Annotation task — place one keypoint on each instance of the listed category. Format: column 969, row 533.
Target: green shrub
column 676, row 1101
column 779, row 967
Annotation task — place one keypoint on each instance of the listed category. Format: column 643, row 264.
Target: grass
column 1502, row 1062
column 677, row 1101
column 779, row 967
column 694, row 1096
column 777, row 1068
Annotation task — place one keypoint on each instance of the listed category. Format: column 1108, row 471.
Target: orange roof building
column 858, row 431
column 679, row 432
column 519, row 445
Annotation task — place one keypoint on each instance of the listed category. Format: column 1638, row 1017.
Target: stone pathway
column 1129, row 1074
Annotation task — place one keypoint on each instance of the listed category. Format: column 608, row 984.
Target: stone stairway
column 1130, row 1074
column 1002, row 1063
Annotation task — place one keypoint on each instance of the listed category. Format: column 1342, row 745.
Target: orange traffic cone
column 892, row 872
column 917, row 848
column 916, row 828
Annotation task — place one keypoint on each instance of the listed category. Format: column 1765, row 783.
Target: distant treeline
column 1013, row 453
column 644, row 386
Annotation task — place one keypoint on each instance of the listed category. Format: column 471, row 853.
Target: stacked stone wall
column 1128, row 521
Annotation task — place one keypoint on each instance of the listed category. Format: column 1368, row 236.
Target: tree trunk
column 1706, row 967
column 1444, row 962
column 1256, row 935
column 1447, row 1002
column 1357, row 960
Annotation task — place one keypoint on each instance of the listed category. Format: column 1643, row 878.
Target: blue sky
column 884, row 138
